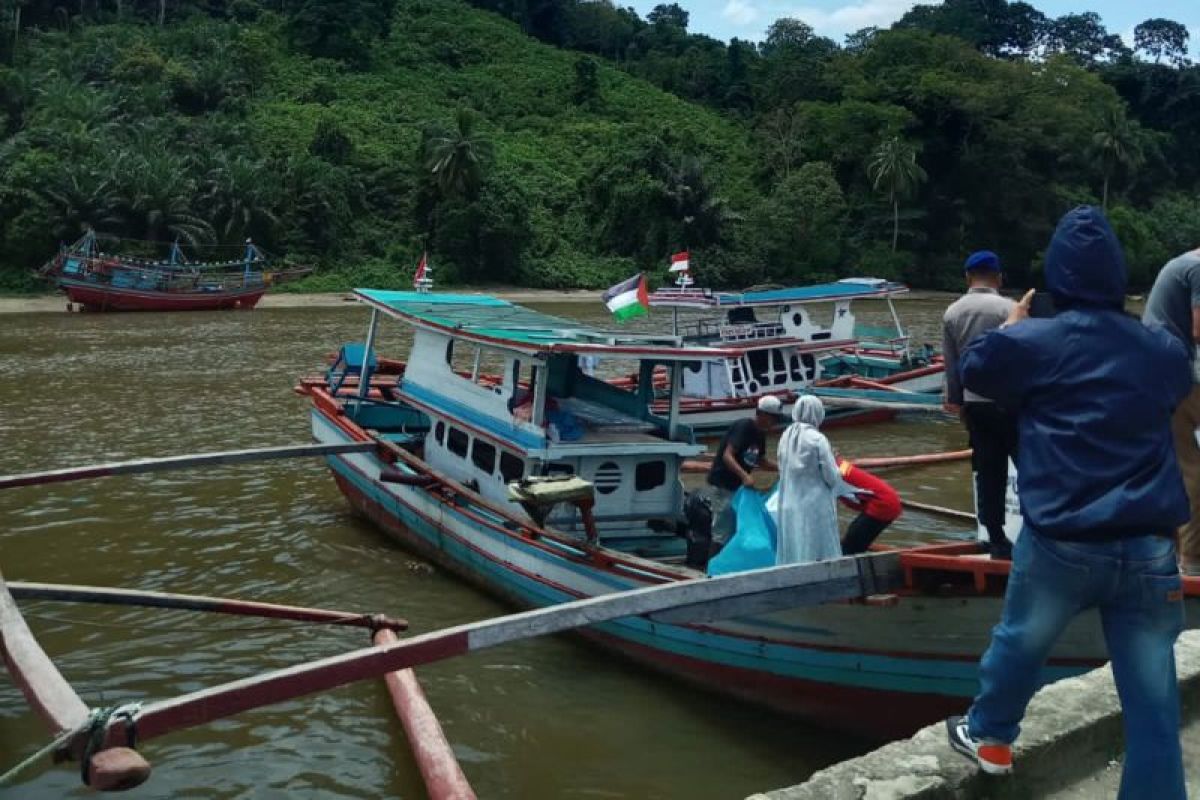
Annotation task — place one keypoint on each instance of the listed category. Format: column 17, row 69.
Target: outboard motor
column 697, row 510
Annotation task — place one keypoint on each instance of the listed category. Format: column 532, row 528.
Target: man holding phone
column 1101, row 497
column 1174, row 303
column 992, row 430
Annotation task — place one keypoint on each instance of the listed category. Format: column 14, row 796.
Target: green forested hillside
column 216, row 129
column 528, row 142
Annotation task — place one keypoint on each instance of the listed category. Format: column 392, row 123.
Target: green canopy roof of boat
column 845, row 289
column 499, row 323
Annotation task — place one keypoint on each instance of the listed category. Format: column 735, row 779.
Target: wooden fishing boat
column 717, row 392
column 103, row 739
column 451, row 481
column 95, row 280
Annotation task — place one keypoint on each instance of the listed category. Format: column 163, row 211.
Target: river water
column 551, row 718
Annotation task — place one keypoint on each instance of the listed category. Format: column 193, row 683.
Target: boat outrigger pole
column 185, row 461
column 698, row 600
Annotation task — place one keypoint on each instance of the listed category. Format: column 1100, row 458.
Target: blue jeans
column 1136, row 586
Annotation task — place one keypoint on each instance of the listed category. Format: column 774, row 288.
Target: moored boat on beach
column 456, row 479
column 100, row 281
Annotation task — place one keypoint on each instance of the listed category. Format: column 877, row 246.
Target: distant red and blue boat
column 95, row 280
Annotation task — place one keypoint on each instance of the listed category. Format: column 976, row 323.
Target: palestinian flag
column 628, row 298
column 679, row 262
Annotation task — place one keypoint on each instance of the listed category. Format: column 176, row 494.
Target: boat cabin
column 493, row 393
column 782, row 348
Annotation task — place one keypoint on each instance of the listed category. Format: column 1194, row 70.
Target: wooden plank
column 952, row 513
column 444, row 778
column 849, row 402
column 44, row 687
column 285, row 684
column 186, row 461
column 911, row 461
column 846, row 578
column 104, row 595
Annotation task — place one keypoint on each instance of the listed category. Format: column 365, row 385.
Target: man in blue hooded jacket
column 1101, row 495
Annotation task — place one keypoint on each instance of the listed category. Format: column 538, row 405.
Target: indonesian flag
column 422, row 268
column 628, row 299
column 679, row 262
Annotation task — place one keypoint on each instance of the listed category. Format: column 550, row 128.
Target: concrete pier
column 1070, row 748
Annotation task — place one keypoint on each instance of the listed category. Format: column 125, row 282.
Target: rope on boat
column 95, row 726
column 53, row 746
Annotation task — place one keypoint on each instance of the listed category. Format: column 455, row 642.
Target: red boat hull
column 93, row 297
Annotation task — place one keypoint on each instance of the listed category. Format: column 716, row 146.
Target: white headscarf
column 809, row 410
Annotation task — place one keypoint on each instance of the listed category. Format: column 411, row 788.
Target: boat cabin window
column 608, row 477
column 649, row 475
column 740, row 315
column 520, row 403
column 457, row 442
column 439, row 433
column 511, row 467
column 778, row 367
column 483, row 455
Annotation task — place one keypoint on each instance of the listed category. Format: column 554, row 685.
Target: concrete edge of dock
column 1072, row 729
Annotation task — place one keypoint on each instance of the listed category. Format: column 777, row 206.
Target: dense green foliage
column 354, row 134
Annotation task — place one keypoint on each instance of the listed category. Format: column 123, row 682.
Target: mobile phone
column 1042, row 306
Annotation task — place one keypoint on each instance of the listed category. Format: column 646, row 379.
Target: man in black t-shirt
column 742, row 448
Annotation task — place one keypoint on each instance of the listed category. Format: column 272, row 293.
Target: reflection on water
column 546, row 718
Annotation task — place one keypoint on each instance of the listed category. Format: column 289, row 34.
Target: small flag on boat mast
column 681, row 265
column 423, row 277
column 629, row 298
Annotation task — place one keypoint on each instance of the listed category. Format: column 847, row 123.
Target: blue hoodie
column 1094, row 389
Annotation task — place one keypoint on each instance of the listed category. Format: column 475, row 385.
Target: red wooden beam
column 44, row 687
column 49, row 694
column 444, row 778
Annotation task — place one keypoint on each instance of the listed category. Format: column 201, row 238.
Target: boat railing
column 751, row 331
column 700, row 329
column 164, row 276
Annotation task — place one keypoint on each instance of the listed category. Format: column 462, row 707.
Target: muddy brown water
column 551, row 718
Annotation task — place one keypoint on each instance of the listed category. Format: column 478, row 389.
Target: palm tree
column 158, row 199
column 1116, row 144
column 894, row 170
column 17, row 22
column 82, row 198
column 455, row 158
column 239, row 194
column 702, row 213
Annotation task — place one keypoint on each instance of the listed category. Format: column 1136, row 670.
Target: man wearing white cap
column 742, row 448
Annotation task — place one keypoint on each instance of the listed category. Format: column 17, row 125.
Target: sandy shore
column 42, row 303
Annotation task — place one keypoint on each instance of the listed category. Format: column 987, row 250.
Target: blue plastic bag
column 753, row 544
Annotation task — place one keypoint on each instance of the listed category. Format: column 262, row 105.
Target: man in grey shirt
column 1174, row 303
column 992, row 430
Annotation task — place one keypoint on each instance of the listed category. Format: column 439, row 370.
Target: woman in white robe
column 808, row 480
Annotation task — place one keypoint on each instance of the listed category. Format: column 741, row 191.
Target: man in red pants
column 878, row 505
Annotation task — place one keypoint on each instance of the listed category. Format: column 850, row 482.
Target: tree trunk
column 162, row 12
column 895, row 222
column 1104, row 201
column 16, row 26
